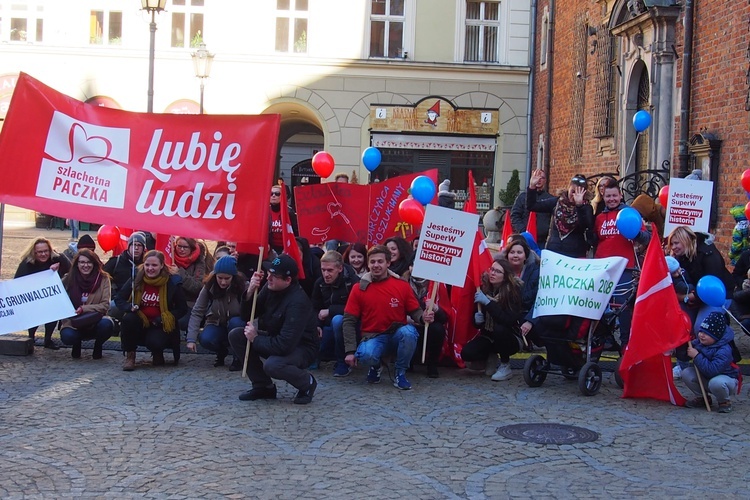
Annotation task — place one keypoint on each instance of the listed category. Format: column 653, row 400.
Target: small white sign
column 576, row 287
column 445, row 245
column 486, row 118
column 33, row 300
column 689, row 205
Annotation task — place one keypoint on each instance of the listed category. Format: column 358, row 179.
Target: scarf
column 566, row 216
column 185, row 262
column 489, row 323
column 80, row 284
column 167, row 318
column 420, row 286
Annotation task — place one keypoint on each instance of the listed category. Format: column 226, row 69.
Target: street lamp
column 202, row 60
column 152, row 6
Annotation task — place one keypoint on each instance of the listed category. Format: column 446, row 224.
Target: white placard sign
column 576, row 287
column 33, row 300
column 689, row 205
column 445, row 245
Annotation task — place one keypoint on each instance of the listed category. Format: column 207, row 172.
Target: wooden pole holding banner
column 703, row 389
column 252, row 314
column 428, row 306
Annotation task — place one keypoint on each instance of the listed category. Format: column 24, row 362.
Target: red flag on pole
column 531, row 225
column 290, row 243
column 122, row 245
column 164, row 245
column 470, row 205
column 507, row 229
column 646, row 368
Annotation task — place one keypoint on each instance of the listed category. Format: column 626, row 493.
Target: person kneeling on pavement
column 285, row 341
column 381, row 303
column 712, row 360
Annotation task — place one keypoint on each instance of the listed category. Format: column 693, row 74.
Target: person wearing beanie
column 122, row 268
column 85, row 241
column 712, row 361
column 219, row 302
column 446, row 198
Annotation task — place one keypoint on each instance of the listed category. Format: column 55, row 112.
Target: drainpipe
column 530, row 107
column 687, row 71
column 550, row 73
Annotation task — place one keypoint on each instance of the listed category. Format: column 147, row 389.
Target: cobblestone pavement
column 84, row 428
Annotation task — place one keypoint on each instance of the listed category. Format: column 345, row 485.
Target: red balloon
column 108, row 237
column 747, row 210
column 323, row 164
column 746, row 180
column 664, row 196
column 411, row 211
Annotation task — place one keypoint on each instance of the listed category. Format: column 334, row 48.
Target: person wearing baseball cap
column 285, row 341
column 712, row 361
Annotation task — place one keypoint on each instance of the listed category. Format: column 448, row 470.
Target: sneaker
column 305, row 397
column 503, row 372
column 259, row 393
column 697, row 402
column 373, row 375
column 401, row 383
column 677, row 372
column 341, row 370
column 725, row 407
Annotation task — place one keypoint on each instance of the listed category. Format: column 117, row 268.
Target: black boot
column 76, row 351
column 220, row 355
column 97, row 349
column 236, row 364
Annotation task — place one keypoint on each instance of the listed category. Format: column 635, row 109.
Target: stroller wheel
column 590, row 379
column 618, row 378
column 534, row 371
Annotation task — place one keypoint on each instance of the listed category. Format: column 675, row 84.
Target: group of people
column 360, row 305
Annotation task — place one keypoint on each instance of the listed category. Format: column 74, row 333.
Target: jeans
column 292, row 368
column 402, row 343
column 721, row 386
column 215, row 338
column 101, row 332
column 73, row 229
column 154, row 338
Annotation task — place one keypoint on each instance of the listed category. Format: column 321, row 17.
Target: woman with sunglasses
column 89, row 290
column 275, row 228
column 571, row 230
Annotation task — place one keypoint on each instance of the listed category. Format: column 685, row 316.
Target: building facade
column 336, row 72
column 686, row 62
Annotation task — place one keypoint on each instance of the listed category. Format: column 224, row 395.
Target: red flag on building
column 531, row 225
column 646, row 367
column 290, row 243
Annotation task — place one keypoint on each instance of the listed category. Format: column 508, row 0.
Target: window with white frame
column 387, row 20
column 291, row 26
column 187, row 23
column 22, row 22
column 105, row 27
column 482, row 42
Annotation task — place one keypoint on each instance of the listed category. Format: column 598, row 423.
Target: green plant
column 508, row 195
column 300, row 46
column 197, row 40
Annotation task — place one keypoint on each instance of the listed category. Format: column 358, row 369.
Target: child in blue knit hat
column 712, row 360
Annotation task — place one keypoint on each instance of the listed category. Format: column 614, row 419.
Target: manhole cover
column 548, row 433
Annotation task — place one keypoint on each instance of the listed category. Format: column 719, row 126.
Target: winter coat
column 175, row 297
column 334, row 296
column 740, row 233
column 715, row 359
column 519, row 216
column 97, row 301
column 576, row 243
column 193, row 276
column 26, row 268
column 530, row 278
column 707, row 261
column 216, row 309
column 120, row 270
column 286, row 320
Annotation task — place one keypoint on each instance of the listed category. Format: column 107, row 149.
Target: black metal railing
column 642, row 182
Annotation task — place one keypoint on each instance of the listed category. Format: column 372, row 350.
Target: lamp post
column 152, row 6
column 202, row 60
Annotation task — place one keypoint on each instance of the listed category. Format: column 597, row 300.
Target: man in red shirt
column 610, row 243
column 381, row 304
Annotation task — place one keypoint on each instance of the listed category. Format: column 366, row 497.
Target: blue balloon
column 423, row 189
column 641, row 120
column 629, row 222
column 712, row 291
column 371, row 158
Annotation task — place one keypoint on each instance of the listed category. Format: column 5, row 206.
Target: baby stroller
column 573, row 350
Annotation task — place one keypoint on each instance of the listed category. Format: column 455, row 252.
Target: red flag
column 646, row 369
column 164, row 245
column 531, row 225
column 470, row 205
column 290, row 243
column 507, row 230
column 122, row 245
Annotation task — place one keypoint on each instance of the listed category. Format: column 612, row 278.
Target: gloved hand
column 478, row 318
column 481, row 298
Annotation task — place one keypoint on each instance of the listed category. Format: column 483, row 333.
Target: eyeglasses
column 138, row 245
column 496, row 271
column 85, row 263
column 41, row 252
column 183, row 247
column 275, row 193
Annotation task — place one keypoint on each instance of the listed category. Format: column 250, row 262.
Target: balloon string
column 627, row 166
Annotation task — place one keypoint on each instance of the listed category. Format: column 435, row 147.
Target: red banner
column 193, row 176
column 351, row 212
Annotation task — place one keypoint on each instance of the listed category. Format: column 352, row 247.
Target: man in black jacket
column 519, row 214
column 329, row 296
column 285, row 341
column 122, row 268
